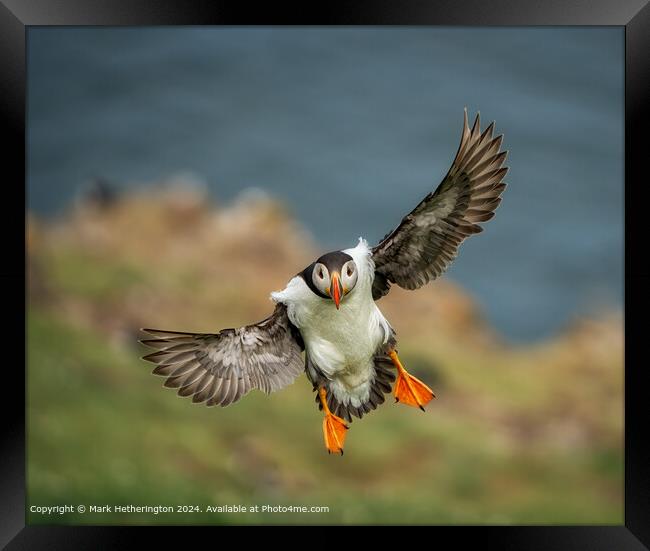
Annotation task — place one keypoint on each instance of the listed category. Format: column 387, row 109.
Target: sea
column 350, row 127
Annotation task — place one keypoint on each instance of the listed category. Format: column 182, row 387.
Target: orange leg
column 334, row 428
column 410, row 390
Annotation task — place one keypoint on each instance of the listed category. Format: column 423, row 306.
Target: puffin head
column 332, row 276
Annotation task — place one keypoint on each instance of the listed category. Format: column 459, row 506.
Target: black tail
column 384, row 377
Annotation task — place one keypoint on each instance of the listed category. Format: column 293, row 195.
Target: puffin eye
column 320, row 273
column 350, row 270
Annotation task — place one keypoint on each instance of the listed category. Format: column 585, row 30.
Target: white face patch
column 321, row 278
column 349, row 275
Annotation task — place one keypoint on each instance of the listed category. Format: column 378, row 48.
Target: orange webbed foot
column 410, row 390
column 334, row 431
column 334, row 428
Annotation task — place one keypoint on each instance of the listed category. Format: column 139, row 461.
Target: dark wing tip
column 163, row 333
column 153, row 356
column 148, row 342
column 477, row 124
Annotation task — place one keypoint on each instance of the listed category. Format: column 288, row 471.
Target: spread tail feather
column 384, row 377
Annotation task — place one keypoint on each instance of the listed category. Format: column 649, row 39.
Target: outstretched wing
column 427, row 239
column 221, row 368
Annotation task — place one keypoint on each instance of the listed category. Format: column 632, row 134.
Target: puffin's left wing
column 427, row 239
column 221, row 368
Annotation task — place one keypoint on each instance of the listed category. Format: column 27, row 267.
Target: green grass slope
column 517, row 434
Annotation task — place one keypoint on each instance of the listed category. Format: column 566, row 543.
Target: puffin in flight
column 329, row 311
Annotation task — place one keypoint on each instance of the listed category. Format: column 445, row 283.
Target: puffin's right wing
column 427, row 239
column 221, row 368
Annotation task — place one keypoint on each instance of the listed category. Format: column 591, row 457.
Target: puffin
column 329, row 312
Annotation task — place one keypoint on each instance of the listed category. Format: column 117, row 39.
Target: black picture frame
column 16, row 16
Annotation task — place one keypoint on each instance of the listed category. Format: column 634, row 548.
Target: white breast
column 341, row 342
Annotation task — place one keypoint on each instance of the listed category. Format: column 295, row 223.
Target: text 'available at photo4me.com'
column 48, row 510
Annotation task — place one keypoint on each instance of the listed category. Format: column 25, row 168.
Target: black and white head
column 333, row 276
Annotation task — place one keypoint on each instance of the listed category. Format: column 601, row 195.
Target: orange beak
column 336, row 290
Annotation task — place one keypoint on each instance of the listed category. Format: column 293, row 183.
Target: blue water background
column 351, row 127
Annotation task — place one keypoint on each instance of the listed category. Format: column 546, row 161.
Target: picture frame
column 16, row 17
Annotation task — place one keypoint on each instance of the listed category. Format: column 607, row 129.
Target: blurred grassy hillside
column 529, row 434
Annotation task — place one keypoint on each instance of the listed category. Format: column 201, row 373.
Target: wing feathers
column 220, row 368
column 426, row 241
